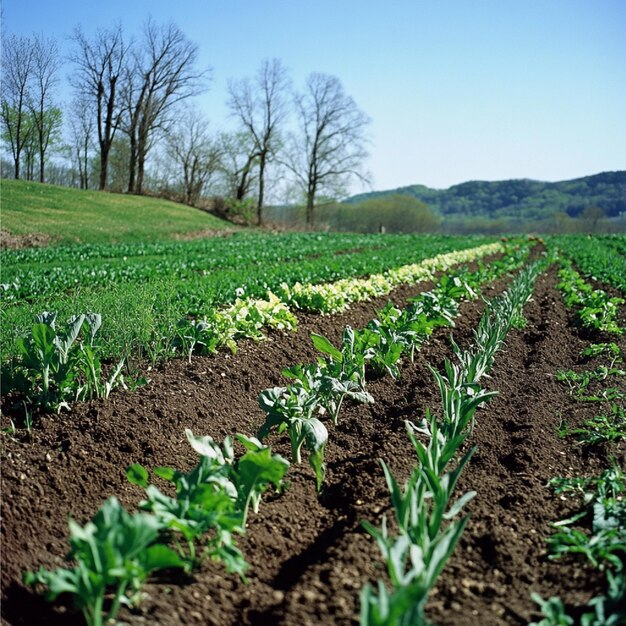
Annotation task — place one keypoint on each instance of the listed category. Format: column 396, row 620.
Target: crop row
column 596, row 532
column 600, row 258
column 426, row 531
column 594, row 307
column 25, row 279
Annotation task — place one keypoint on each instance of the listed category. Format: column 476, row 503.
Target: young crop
column 222, row 328
column 603, row 258
column 604, row 503
column 293, row 409
column 606, row 610
column 602, row 428
column 579, row 382
column 320, row 379
column 114, row 554
column 213, row 499
column 57, row 366
column 595, row 308
column 427, row 537
column 346, row 364
column 553, row 612
column 427, row 530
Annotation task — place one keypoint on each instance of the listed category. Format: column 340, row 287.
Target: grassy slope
column 94, row 216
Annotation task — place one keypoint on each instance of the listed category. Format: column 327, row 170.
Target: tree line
column 132, row 124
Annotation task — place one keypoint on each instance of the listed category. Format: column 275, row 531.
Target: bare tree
column 330, row 148
column 82, row 128
column 261, row 107
column 190, row 145
column 99, row 68
column 46, row 117
column 238, row 164
column 17, row 69
column 163, row 72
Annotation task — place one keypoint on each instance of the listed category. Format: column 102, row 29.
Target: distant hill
column 519, row 199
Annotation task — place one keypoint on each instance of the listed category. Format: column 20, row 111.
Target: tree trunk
column 310, row 199
column 104, row 166
column 42, row 154
column 132, row 163
column 259, row 206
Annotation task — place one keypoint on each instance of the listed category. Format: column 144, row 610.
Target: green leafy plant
column 213, row 499
column 553, row 612
column 114, row 553
column 427, row 535
column 605, row 545
column 600, row 428
column 58, row 366
column 293, row 409
column 320, row 379
column 595, row 308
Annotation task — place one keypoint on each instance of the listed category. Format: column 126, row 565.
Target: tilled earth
column 309, row 556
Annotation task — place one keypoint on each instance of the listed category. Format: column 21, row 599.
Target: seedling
column 114, row 553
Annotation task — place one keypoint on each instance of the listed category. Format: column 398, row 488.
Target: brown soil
column 15, row 241
column 309, row 556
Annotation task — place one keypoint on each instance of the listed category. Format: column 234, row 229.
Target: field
column 531, row 389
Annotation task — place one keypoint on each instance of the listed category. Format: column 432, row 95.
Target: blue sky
column 456, row 89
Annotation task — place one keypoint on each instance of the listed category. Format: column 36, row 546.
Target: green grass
column 75, row 215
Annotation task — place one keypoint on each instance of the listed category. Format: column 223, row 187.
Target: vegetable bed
column 310, row 556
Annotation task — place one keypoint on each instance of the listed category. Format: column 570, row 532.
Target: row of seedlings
column 427, row 528
column 116, row 552
column 597, row 531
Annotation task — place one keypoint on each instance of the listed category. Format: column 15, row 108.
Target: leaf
column 249, row 443
column 43, row 339
column 255, row 471
column 459, row 504
column 159, row 556
column 94, row 321
column 205, row 446
column 166, row 473
column 315, row 438
column 324, row 346
column 137, row 475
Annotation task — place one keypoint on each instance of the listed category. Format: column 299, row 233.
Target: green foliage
column 294, row 409
column 394, row 213
column 605, row 545
column 114, row 553
column 553, row 612
column 60, row 366
column 144, row 290
column 523, row 198
column 602, row 428
column 594, row 307
column 213, row 499
column 600, row 258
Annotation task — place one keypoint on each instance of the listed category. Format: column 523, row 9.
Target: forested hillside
column 520, row 199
